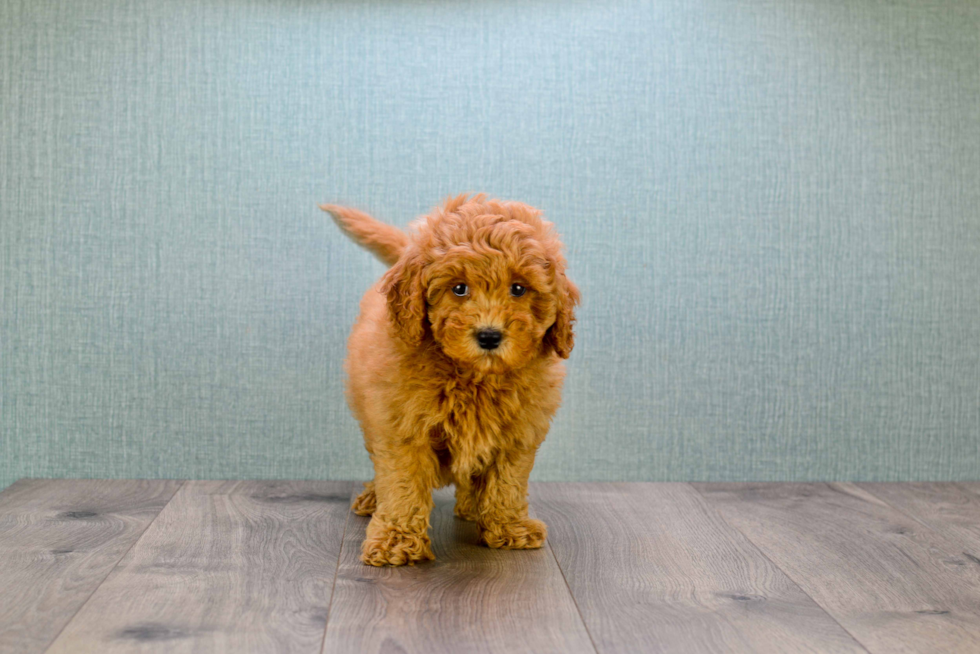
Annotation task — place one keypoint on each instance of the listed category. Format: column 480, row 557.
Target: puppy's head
column 485, row 280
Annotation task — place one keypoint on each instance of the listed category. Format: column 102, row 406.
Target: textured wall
column 772, row 209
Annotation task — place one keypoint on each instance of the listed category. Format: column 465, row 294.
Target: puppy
column 454, row 369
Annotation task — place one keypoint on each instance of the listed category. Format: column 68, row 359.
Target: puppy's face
column 488, row 312
column 487, row 284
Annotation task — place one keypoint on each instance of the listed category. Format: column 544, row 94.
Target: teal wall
column 772, row 209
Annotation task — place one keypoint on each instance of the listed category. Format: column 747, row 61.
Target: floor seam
column 336, row 572
column 115, row 565
column 578, row 609
column 793, row 581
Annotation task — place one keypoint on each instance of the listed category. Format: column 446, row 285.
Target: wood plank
column 59, row 539
column 894, row 584
column 654, row 569
column 470, row 599
column 951, row 509
column 227, row 567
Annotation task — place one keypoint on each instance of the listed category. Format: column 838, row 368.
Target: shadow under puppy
column 454, row 369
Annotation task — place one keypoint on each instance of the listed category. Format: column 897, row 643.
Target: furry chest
column 472, row 429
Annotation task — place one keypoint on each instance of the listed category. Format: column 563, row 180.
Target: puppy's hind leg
column 465, row 499
column 367, row 502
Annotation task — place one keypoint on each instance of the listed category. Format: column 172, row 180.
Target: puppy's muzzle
column 489, row 339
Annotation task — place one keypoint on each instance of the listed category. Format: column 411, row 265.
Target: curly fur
column 434, row 407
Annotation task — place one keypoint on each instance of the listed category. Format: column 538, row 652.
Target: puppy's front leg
column 502, row 504
column 404, row 477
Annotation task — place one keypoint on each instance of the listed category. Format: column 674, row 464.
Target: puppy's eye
column 461, row 290
column 517, row 290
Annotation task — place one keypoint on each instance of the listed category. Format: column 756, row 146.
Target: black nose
column 489, row 339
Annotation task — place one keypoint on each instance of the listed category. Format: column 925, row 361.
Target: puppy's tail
column 382, row 240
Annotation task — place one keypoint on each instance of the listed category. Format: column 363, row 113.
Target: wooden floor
column 259, row 566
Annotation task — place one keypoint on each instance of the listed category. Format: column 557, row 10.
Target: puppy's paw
column 366, row 502
column 392, row 546
column 525, row 534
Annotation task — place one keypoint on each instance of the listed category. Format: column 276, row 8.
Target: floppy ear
column 560, row 336
column 403, row 286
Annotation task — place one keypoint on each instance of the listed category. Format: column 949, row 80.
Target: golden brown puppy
column 454, row 369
